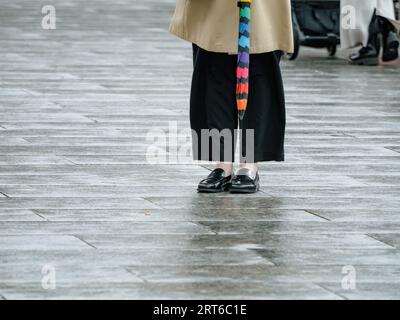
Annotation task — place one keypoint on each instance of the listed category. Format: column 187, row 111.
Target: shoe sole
column 224, row 189
column 244, row 191
column 210, row 191
column 366, row 62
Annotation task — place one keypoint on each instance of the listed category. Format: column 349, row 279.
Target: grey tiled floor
column 77, row 194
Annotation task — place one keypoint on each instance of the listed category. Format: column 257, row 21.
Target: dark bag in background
column 318, row 17
column 316, row 24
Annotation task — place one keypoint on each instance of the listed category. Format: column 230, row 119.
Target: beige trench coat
column 213, row 25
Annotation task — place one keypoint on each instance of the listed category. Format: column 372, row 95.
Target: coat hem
column 212, row 48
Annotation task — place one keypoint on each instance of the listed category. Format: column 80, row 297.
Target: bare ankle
column 226, row 166
column 251, row 166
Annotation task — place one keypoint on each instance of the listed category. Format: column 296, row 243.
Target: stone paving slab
column 79, row 196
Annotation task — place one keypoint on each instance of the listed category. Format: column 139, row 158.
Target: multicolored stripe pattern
column 242, row 71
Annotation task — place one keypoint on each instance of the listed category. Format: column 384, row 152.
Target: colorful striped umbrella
column 242, row 71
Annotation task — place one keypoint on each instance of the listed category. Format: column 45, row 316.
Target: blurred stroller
column 316, row 24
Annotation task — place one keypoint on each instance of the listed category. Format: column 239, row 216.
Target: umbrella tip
column 241, row 114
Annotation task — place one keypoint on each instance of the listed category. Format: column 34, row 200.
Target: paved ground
column 79, row 202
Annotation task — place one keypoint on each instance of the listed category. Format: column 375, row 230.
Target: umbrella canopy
column 242, row 71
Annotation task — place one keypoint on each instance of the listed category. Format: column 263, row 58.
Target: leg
column 263, row 126
column 213, row 116
column 390, row 40
column 226, row 166
column 369, row 55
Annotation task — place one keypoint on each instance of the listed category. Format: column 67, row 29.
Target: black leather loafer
column 216, row 181
column 245, row 181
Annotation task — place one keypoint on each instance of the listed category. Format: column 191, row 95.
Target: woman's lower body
column 214, row 115
column 375, row 27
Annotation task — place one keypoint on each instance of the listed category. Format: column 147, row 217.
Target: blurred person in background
column 375, row 27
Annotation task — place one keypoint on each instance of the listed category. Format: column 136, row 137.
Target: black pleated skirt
column 213, row 108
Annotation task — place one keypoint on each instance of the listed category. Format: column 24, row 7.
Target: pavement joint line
column 89, row 117
column 152, row 202
column 66, row 158
column 137, row 274
column 332, row 291
column 381, row 241
column 26, row 139
column 316, row 214
column 390, row 148
column 39, row 215
column 205, row 167
column 84, row 241
column 7, row 196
